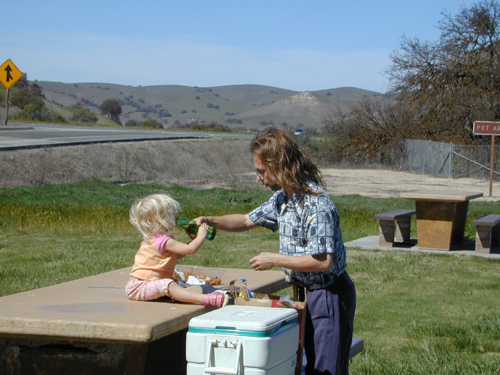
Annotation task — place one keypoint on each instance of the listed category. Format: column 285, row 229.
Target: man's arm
column 302, row 263
column 228, row 223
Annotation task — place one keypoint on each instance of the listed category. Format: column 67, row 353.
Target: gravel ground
column 380, row 183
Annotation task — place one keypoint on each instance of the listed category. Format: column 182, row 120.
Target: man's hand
column 263, row 261
column 200, row 220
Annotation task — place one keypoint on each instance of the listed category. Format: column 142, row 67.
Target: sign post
column 9, row 75
column 488, row 128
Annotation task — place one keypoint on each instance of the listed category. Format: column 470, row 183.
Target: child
column 154, row 265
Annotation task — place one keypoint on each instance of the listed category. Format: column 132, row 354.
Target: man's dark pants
column 329, row 327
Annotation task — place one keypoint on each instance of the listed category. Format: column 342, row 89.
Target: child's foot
column 216, row 299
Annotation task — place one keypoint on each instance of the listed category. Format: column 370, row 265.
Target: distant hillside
column 239, row 106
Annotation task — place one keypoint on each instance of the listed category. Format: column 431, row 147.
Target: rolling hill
column 242, row 107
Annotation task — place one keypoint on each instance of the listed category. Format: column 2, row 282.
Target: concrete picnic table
column 88, row 326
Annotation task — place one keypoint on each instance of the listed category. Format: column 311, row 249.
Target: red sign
column 486, row 128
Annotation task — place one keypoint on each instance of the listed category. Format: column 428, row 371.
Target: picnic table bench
column 487, row 233
column 88, row 326
column 390, row 221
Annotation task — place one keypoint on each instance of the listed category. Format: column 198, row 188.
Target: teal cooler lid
column 244, row 320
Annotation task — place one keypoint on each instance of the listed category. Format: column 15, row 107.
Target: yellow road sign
column 9, row 74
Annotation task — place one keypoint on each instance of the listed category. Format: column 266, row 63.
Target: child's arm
column 190, row 248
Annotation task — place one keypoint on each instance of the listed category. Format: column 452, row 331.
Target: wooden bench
column 402, row 219
column 487, row 233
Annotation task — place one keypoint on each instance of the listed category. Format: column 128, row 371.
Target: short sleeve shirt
column 153, row 261
column 308, row 225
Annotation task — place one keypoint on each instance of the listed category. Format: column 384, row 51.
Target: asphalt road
column 17, row 136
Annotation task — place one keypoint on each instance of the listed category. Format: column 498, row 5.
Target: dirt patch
column 373, row 183
column 379, row 183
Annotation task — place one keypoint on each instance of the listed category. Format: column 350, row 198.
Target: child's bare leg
column 180, row 294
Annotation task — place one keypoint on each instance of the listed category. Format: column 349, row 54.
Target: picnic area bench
column 88, row 326
column 487, row 233
column 396, row 222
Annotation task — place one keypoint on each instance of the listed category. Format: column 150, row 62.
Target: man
column 312, row 253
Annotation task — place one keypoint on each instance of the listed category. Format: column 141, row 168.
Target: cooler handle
column 222, row 370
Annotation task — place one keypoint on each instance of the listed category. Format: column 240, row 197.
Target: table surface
column 96, row 308
column 440, row 196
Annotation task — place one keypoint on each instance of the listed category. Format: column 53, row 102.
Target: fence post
column 452, row 153
column 492, row 163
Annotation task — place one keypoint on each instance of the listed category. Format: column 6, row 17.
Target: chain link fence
column 449, row 160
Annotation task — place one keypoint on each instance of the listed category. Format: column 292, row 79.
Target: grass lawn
column 418, row 313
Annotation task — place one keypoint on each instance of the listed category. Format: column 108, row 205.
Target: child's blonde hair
column 154, row 214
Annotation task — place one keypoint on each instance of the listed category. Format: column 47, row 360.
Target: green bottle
column 191, row 228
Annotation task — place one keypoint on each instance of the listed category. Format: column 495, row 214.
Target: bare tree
column 371, row 130
column 456, row 80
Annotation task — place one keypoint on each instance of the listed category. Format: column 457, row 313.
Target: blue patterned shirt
column 308, row 225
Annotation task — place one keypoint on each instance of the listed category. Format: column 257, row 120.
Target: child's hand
column 203, row 230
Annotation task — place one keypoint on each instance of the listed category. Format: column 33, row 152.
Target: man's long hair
column 285, row 161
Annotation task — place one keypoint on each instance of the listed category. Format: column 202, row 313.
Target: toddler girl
column 154, row 265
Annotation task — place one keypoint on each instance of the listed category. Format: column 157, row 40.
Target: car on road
column 300, row 132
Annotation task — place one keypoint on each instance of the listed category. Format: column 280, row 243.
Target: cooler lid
column 248, row 318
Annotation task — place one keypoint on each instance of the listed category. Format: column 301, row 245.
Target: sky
column 297, row 45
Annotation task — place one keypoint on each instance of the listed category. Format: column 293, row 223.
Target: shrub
column 22, row 98
column 39, row 112
column 84, row 115
column 150, row 123
column 78, row 105
column 326, row 151
column 132, row 123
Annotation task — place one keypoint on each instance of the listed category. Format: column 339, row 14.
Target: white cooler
column 243, row 340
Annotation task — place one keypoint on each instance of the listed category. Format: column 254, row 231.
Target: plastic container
column 243, row 340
